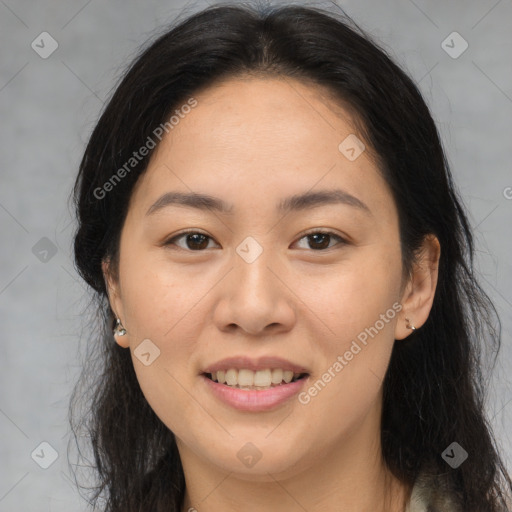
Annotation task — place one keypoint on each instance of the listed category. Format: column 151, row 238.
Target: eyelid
column 170, row 240
column 323, row 231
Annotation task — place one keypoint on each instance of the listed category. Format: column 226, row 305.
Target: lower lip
column 255, row 401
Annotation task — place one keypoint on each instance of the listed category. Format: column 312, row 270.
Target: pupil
column 319, row 245
column 325, row 236
column 189, row 237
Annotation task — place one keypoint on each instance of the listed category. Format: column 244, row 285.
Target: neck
column 350, row 477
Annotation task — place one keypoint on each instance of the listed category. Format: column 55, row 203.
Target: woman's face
column 252, row 287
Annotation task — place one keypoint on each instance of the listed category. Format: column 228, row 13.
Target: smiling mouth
column 254, row 380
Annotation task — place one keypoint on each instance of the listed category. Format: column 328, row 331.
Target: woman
column 268, row 221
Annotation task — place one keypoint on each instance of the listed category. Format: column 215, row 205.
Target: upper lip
column 261, row 363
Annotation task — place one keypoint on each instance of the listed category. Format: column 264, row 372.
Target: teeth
column 277, row 376
column 232, row 377
column 262, row 378
column 247, row 379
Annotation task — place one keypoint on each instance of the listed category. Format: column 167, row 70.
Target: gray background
column 48, row 108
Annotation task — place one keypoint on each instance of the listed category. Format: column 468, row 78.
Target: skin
column 252, row 142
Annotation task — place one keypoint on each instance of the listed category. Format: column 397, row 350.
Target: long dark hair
column 434, row 388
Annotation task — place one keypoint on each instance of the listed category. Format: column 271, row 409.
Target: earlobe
column 419, row 293
column 112, row 287
column 110, row 284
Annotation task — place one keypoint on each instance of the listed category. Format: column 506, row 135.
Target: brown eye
column 320, row 240
column 194, row 241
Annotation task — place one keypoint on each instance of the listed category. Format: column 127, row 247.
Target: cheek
column 357, row 291
column 174, row 310
column 360, row 305
column 162, row 306
column 157, row 299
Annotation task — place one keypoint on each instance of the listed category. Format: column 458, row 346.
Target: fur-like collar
column 433, row 493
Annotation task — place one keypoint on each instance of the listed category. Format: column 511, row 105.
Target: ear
column 419, row 292
column 114, row 297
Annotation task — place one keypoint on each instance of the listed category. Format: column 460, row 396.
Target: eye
column 321, row 239
column 195, row 241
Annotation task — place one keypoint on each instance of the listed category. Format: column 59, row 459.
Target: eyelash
column 341, row 240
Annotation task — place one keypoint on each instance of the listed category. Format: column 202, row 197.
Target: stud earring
column 409, row 325
column 119, row 329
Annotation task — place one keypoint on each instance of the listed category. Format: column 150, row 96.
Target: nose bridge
column 255, row 299
column 251, row 266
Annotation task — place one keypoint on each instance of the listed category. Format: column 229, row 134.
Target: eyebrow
column 297, row 202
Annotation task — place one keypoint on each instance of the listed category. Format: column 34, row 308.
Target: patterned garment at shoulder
column 432, row 493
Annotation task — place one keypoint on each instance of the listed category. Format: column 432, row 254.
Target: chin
column 261, row 462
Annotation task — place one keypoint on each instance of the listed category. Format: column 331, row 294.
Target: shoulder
column 433, row 493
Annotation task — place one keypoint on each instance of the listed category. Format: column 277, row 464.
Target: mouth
column 259, row 380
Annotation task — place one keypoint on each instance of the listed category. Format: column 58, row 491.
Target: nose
column 257, row 297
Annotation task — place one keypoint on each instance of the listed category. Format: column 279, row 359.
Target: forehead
column 267, row 107
column 261, row 138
